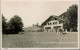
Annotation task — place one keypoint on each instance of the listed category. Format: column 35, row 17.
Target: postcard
column 40, row 24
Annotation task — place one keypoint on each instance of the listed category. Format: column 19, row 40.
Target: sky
column 33, row 12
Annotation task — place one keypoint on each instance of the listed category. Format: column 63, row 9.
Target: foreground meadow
column 40, row 40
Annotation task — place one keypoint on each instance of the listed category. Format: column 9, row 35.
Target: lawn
column 40, row 40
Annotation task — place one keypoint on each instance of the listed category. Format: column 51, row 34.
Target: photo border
column 43, row 48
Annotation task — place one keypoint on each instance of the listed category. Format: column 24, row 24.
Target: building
column 34, row 28
column 53, row 23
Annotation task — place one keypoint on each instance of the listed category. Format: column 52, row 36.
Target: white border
column 47, row 48
column 40, row 0
column 78, row 21
column 0, row 27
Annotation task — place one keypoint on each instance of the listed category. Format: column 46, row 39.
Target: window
column 50, row 23
column 55, row 18
column 60, row 22
column 47, row 27
column 53, row 23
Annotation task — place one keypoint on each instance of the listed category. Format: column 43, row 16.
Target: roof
column 33, row 28
column 59, row 18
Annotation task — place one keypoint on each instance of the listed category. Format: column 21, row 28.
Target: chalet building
column 53, row 23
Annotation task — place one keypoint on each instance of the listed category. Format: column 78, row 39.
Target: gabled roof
column 59, row 18
column 34, row 28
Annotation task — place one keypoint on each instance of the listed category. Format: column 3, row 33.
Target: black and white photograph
column 39, row 24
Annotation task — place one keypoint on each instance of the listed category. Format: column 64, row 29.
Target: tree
column 37, row 24
column 3, row 24
column 70, row 18
column 15, row 24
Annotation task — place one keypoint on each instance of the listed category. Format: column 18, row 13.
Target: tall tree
column 15, row 24
column 3, row 24
column 70, row 18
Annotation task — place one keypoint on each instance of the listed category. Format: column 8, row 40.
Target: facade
column 53, row 23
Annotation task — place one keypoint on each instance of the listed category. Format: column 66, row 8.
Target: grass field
column 40, row 40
